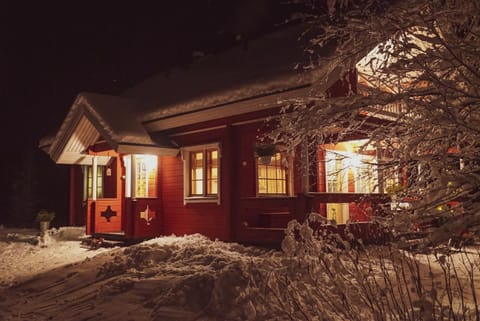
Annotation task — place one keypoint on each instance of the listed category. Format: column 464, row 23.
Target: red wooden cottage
column 178, row 153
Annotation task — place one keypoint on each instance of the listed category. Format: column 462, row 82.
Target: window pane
column 212, row 187
column 89, row 181
column 280, row 188
column 271, row 186
column 350, row 172
column 262, row 171
column 152, row 181
column 262, row 186
column 212, row 171
column 100, row 171
column 145, row 175
column 197, row 187
column 196, row 173
column 140, row 177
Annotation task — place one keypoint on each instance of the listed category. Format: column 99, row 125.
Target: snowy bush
column 319, row 280
column 418, row 101
column 194, row 278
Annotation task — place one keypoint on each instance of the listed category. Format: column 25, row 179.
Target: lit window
column 145, row 175
column 350, row 172
column 88, row 182
column 202, row 173
column 271, row 176
column 212, row 172
column 196, row 173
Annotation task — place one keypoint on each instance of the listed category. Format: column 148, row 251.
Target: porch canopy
column 96, row 117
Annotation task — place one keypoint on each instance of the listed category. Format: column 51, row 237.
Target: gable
column 93, row 117
column 74, row 148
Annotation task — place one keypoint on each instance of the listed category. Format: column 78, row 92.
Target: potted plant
column 265, row 152
column 44, row 218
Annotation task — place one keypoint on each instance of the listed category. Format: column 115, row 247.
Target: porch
column 125, row 220
column 263, row 220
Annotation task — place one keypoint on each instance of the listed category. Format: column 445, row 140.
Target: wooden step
column 110, row 236
column 110, row 239
column 95, row 243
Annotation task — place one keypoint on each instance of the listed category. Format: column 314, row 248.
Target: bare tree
column 418, row 101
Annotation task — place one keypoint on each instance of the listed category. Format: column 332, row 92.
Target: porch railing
column 388, row 111
column 105, row 215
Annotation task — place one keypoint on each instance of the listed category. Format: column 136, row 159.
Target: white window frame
column 185, row 152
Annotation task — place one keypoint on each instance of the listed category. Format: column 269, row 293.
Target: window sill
column 273, row 195
column 143, row 198
column 201, row 199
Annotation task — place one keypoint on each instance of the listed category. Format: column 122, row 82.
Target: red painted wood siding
column 110, row 183
column 244, row 138
column 101, row 224
column 137, row 227
column 210, row 219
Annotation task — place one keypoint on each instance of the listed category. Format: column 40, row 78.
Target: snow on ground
column 167, row 278
column 24, row 254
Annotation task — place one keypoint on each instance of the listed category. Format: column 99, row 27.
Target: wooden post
column 94, row 177
column 133, row 174
column 380, row 170
column 305, row 167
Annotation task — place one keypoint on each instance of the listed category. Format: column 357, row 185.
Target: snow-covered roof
column 265, row 66
column 112, row 118
column 116, row 117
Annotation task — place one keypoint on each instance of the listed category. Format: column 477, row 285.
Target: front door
column 104, row 193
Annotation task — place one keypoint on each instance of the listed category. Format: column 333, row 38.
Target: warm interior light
column 150, row 161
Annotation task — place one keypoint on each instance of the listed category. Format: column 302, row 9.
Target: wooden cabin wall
column 244, row 138
column 110, row 182
column 210, row 219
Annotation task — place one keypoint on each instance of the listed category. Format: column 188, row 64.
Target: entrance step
column 97, row 240
column 110, row 236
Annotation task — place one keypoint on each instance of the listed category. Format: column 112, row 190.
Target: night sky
column 52, row 51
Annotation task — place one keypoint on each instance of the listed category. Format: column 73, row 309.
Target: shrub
column 319, row 280
column 45, row 216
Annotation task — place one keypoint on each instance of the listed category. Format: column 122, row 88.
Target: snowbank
column 168, row 278
column 194, row 278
